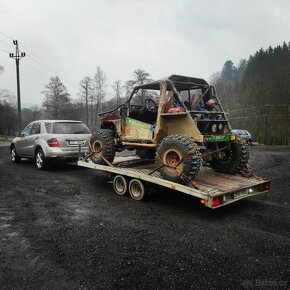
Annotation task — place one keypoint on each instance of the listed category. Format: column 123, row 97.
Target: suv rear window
column 70, row 128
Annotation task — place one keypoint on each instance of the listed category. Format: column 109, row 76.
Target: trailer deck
column 212, row 188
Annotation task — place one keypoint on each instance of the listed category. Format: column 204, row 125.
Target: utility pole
column 17, row 56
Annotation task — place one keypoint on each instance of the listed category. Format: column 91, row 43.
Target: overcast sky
column 71, row 37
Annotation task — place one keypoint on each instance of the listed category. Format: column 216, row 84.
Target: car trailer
column 213, row 189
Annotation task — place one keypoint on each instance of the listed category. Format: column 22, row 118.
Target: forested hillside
column 256, row 93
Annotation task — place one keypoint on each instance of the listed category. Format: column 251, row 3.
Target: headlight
column 220, row 126
column 214, row 127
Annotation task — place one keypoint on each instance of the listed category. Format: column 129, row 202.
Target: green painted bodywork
column 219, row 138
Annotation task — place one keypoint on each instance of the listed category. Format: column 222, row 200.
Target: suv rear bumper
column 58, row 153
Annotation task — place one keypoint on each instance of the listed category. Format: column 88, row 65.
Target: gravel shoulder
column 66, row 228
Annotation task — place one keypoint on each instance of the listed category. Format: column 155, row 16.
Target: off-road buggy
column 186, row 128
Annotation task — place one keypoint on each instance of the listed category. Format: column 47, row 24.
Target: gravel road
column 65, row 228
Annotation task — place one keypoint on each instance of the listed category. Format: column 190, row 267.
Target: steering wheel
column 151, row 106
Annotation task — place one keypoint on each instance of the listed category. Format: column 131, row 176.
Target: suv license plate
column 75, row 142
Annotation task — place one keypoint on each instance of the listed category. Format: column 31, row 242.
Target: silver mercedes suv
column 45, row 140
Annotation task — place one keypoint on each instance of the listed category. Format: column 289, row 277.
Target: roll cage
column 178, row 84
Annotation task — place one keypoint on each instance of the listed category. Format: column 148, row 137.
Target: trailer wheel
column 136, row 189
column 235, row 159
column 120, row 185
column 171, row 151
column 102, row 144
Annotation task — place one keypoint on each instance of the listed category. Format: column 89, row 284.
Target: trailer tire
column 102, row 144
column 120, row 185
column 171, row 150
column 146, row 153
column 237, row 157
column 137, row 189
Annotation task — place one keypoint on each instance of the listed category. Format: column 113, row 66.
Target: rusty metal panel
column 118, row 125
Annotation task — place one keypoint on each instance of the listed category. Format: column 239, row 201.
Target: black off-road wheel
column 146, row 153
column 171, row 151
column 102, row 144
column 235, row 158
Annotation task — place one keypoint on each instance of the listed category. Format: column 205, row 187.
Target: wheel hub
column 136, row 190
column 97, row 147
column 120, row 185
column 171, row 157
column 39, row 160
column 13, row 154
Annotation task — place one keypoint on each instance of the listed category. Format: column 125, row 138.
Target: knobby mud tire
column 237, row 159
column 102, row 143
column 175, row 147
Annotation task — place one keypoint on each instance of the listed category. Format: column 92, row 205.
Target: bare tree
column 8, row 113
column 92, row 101
column 86, row 92
column 129, row 85
column 141, row 77
column 56, row 97
column 100, row 88
column 7, row 96
column 118, row 90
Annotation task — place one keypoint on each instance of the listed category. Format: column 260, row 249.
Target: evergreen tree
column 229, row 71
column 257, row 92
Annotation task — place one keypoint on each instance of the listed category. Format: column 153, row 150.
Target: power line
column 39, row 62
column 38, row 59
column 6, row 35
column 6, row 43
column 45, row 64
column 39, row 71
column 4, row 50
column 28, row 64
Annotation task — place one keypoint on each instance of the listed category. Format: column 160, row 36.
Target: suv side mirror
column 22, row 135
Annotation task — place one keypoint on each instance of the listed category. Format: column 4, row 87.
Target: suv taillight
column 52, row 142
